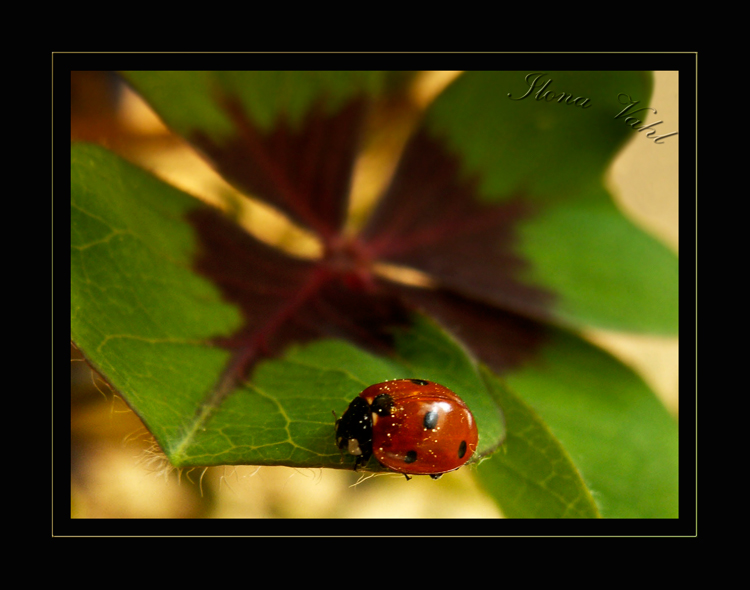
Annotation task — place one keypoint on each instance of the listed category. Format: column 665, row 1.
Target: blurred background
column 117, row 470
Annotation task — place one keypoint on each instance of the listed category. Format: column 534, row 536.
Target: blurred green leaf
column 547, row 150
column 551, row 157
column 195, row 101
column 619, row 435
column 609, row 274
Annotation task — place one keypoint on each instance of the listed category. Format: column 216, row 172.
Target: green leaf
column 532, row 476
column 147, row 322
column 138, row 312
column 547, row 149
column 283, row 415
column 619, row 435
column 628, row 281
column 512, row 143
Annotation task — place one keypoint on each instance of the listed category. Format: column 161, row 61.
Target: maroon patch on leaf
column 430, row 219
column 304, row 171
column 286, row 300
column 501, row 339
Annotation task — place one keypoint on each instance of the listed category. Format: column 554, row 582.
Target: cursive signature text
column 626, row 99
column 548, row 95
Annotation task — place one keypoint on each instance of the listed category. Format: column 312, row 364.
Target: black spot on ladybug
column 382, row 405
column 419, row 381
column 430, row 420
column 462, row 449
column 410, row 457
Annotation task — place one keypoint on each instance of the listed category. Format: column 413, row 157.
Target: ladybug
column 412, row 426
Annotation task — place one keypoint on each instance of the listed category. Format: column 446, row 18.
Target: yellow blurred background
column 116, row 470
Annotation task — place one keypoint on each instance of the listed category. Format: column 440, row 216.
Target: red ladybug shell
column 418, row 427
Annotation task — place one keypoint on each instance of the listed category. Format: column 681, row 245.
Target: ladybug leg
column 436, row 475
column 359, row 460
column 407, row 477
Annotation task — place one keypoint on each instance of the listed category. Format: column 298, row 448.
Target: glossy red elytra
column 412, row 426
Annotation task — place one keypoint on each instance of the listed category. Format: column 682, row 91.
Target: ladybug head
column 354, row 431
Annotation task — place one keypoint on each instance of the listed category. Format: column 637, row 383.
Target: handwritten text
column 626, row 99
column 548, row 95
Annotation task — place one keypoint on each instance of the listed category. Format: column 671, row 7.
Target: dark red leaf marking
column 286, row 300
column 429, row 219
column 499, row 338
column 305, row 170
